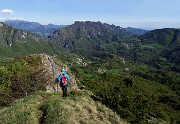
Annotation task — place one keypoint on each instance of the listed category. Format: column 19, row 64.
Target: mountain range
column 34, row 27
column 46, row 30
column 158, row 48
column 20, row 42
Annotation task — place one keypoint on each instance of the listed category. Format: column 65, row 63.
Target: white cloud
column 7, row 11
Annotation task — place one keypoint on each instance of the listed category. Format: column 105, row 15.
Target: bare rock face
column 53, row 69
column 1, row 29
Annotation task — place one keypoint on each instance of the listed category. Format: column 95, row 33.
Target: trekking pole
column 53, row 67
column 57, row 87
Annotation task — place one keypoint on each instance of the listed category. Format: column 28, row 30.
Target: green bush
column 21, row 78
column 135, row 94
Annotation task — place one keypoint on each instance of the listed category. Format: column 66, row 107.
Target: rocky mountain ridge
column 10, row 35
column 88, row 35
column 17, row 42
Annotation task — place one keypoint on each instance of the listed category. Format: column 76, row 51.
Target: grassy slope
column 32, row 47
column 53, row 109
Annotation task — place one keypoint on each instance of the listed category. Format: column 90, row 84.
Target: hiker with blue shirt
column 63, row 79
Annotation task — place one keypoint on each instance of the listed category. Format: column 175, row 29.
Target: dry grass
column 53, row 109
column 80, row 110
column 22, row 111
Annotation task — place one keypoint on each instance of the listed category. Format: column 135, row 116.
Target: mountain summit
column 88, row 35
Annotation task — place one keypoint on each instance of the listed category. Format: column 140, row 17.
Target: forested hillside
column 137, row 92
column 158, row 48
column 15, row 42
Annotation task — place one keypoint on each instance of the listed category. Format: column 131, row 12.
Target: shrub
column 21, row 78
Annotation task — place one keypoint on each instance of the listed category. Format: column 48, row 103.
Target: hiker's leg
column 65, row 90
column 60, row 87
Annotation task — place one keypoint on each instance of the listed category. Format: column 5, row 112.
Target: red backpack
column 63, row 80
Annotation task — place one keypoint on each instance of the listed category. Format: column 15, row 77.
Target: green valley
column 125, row 75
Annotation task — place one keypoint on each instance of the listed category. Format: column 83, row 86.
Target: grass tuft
column 49, row 108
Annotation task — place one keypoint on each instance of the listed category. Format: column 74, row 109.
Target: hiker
column 63, row 79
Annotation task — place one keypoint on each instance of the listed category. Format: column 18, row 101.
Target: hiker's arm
column 68, row 78
column 59, row 78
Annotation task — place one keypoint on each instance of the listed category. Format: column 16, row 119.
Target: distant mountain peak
column 50, row 24
column 34, row 27
column 134, row 31
column 93, row 23
column 16, row 19
column 89, row 35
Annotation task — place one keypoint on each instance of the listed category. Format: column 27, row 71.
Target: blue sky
column 147, row 14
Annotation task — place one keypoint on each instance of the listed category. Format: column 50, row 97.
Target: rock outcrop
column 53, row 69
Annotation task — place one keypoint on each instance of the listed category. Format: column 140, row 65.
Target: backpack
column 63, row 80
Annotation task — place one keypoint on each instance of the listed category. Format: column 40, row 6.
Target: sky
column 146, row 14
